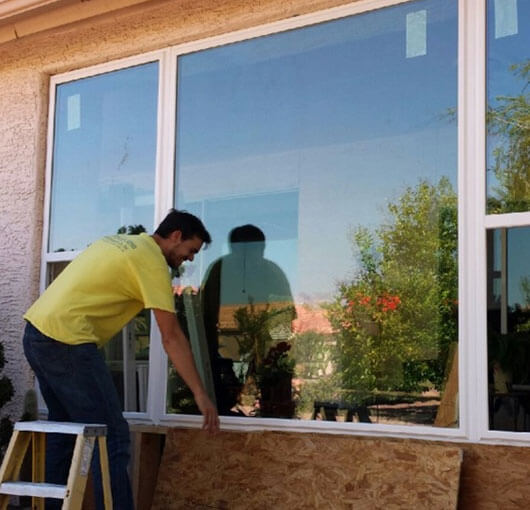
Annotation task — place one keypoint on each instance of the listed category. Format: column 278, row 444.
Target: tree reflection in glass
column 331, row 138
column 508, row 107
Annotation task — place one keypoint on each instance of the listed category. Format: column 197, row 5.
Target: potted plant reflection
column 248, row 311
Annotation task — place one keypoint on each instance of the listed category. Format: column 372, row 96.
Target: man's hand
column 178, row 350
column 210, row 421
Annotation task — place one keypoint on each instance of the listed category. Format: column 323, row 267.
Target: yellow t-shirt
column 102, row 289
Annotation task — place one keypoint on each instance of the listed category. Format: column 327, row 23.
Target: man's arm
column 178, row 349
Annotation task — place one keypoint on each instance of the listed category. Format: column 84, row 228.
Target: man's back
column 103, row 289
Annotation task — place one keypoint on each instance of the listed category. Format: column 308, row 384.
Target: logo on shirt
column 123, row 243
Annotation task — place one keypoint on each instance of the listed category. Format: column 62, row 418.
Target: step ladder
column 73, row 492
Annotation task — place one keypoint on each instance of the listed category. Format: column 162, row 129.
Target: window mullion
column 472, row 239
column 48, row 184
column 164, row 186
column 508, row 220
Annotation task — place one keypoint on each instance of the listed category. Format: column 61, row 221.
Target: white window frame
column 472, row 221
column 66, row 256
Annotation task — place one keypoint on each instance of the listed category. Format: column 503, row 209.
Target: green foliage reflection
column 509, row 124
column 396, row 319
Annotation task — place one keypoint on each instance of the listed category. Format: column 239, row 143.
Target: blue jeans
column 77, row 386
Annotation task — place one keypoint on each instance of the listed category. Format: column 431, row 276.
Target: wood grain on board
column 263, row 470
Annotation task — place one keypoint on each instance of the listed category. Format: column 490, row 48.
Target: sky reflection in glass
column 508, row 43
column 310, row 133
column 104, row 156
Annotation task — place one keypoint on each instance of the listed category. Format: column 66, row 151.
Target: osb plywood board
column 274, row 470
column 495, row 478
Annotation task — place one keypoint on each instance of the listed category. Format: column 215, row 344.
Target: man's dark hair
column 187, row 223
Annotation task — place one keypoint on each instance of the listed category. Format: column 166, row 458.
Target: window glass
column 324, row 163
column 104, row 156
column 103, row 174
column 509, row 328
column 508, row 117
column 127, row 356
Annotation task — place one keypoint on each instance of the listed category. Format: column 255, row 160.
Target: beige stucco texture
column 26, row 64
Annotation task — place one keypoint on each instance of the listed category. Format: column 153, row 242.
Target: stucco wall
column 22, row 151
column 25, row 67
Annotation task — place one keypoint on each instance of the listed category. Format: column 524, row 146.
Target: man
column 93, row 299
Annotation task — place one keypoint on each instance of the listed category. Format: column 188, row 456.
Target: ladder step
column 42, row 490
column 87, row 430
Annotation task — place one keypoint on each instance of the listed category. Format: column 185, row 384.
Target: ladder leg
column 105, row 476
column 12, row 462
column 73, row 492
column 38, row 466
column 78, row 475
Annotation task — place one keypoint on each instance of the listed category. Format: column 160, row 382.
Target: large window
column 357, row 279
column 508, row 191
column 324, row 160
column 102, row 182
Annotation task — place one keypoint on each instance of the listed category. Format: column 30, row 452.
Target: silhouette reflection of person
column 243, row 277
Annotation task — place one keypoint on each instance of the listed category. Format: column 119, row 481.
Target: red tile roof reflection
column 310, row 318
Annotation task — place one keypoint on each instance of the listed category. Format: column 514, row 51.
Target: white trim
column 320, row 426
column 472, row 244
column 275, row 27
column 506, row 438
column 342, row 428
column 158, row 364
column 507, row 220
column 464, row 353
column 166, row 186
column 47, row 185
column 61, row 256
column 107, row 67
column 476, row 87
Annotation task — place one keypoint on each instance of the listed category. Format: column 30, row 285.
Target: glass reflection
column 337, row 142
column 248, row 312
column 509, row 328
column 508, row 116
column 104, row 156
column 127, row 356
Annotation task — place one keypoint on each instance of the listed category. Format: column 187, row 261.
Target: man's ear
column 176, row 235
